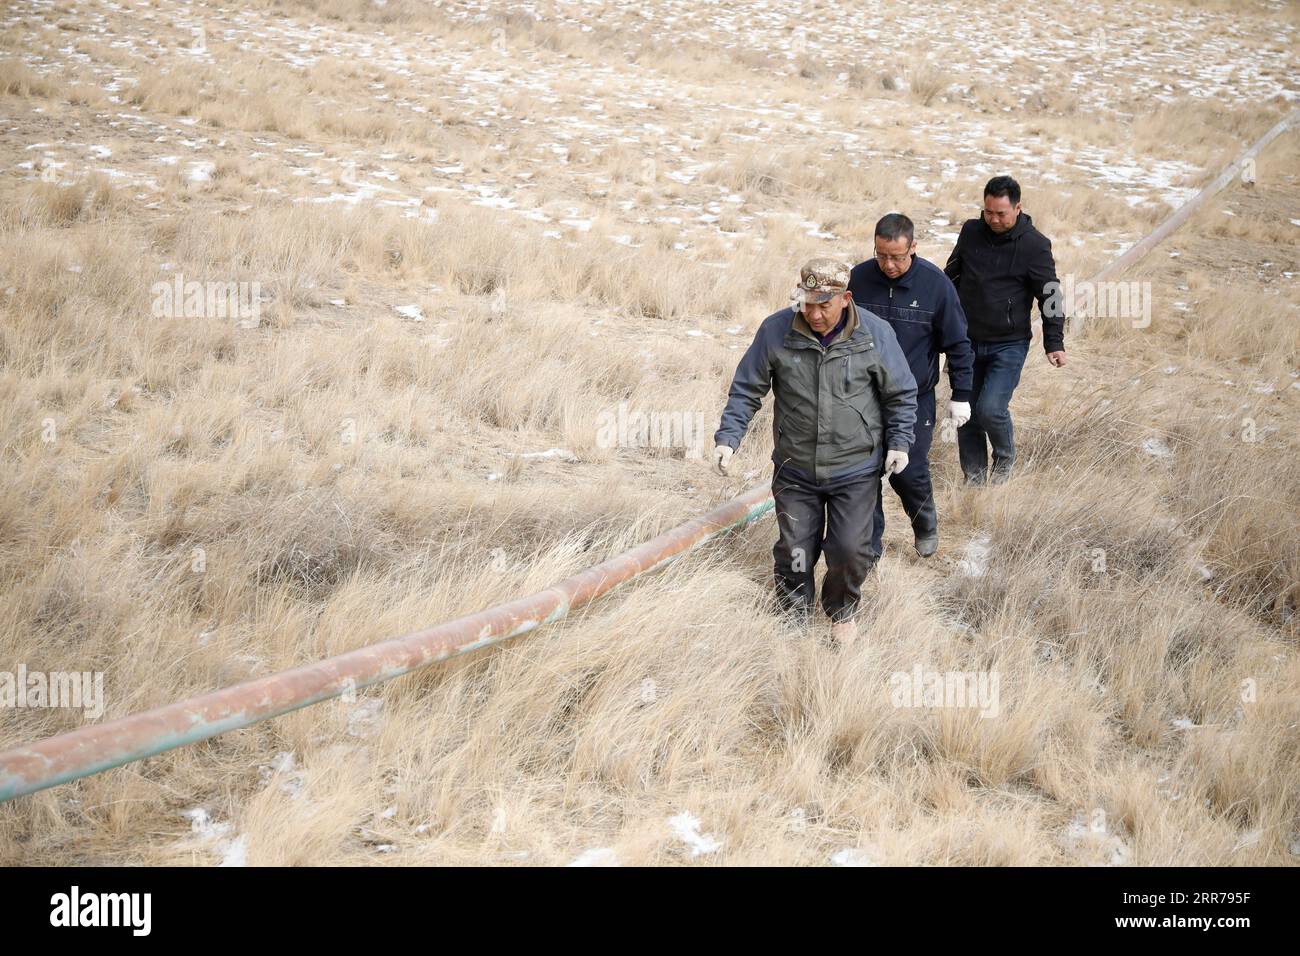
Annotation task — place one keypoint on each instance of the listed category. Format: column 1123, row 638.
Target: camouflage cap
column 819, row 280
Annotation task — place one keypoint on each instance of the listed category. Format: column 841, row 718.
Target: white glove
column 722, row 458
column 959, row 412
column 895, row 461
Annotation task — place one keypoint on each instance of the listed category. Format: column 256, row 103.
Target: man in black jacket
column 921, row 306
column 1000, row 265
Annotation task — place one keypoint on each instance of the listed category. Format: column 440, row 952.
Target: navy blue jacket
column 922, row 308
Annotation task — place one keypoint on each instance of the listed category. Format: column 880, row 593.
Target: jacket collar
column 902, row 282
column 1022, row 225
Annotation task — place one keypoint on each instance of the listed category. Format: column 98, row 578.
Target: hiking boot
column 796, row 616
column 927, row 544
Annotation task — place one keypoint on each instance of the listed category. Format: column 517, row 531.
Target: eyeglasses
column 898, row 259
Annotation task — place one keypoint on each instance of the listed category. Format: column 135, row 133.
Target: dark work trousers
column 997, row 373
column 833, row 519
column 913, row 482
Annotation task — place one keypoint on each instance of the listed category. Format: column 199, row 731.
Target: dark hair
column 895, row 226
column 1003, row 186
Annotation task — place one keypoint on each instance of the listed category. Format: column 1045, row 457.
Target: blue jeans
column 997, row 373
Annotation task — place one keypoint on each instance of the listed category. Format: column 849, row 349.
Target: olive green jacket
column 837, row 407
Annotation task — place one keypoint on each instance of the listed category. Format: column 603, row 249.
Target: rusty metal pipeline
column 98, row 747
column 1184, row 212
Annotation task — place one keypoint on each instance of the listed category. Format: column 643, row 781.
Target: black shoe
column 927, row 545
column 797, row 616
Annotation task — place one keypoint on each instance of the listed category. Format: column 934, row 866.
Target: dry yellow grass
column 462, row 259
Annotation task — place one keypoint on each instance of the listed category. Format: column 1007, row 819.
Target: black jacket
column 998, row 277
column 921, row 307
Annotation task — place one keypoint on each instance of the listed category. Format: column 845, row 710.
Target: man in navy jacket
column 921, row 306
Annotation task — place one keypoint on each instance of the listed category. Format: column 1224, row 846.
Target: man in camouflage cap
column 844, row 411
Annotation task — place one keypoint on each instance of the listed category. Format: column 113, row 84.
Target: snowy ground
column 666, row 130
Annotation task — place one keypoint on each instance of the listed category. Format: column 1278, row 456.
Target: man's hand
column 959, row 412
column 895, row 461
column 1057, row 359
column 722, row 458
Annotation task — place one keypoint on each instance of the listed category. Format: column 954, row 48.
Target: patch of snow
column 283, row 763
column 1156, row 447
column 233, row 851
column 597, row 856
column 851, row 856
column 560, row 453
column 364, row 718
column 686, row 827
column 1080, row 833
column 975, row 558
